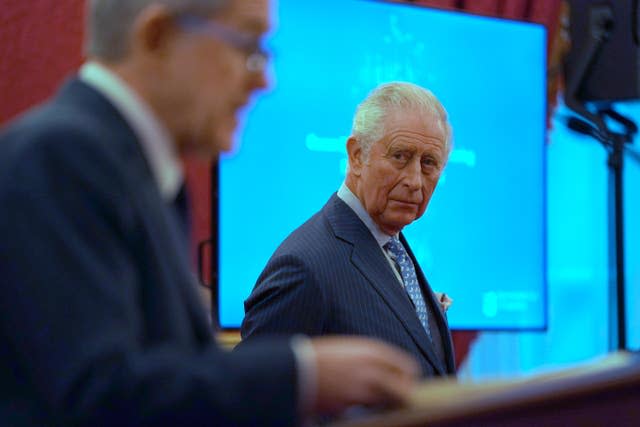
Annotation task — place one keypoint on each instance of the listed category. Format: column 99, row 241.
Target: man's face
column 212, row 81
column 395, row 182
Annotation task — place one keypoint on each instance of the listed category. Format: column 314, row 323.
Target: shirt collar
column 354, row 203
column 155, row 140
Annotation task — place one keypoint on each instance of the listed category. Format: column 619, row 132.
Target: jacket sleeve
column 286, row 300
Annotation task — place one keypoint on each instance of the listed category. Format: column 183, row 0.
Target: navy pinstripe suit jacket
column 330, row 277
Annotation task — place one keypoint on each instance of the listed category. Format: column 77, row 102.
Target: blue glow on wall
column 578, row 263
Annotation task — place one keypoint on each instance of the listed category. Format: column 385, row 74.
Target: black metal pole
column 616, row 255
column 601, row 23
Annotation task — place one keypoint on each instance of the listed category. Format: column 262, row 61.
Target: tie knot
column 394, row 246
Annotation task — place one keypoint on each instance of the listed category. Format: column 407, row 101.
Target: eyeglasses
column 250, row 44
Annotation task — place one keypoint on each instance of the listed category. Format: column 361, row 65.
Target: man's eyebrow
column 400, row 145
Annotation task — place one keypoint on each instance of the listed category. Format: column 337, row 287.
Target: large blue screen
column 482, row 239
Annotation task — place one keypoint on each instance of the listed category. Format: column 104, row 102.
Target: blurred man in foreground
column 99, row 316
column 349, row 269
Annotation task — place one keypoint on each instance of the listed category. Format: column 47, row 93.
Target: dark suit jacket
column 330, row 277
column 100, row 321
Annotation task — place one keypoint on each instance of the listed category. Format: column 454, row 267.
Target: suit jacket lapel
column 372, row 264
column 160, row 224
column 171, row 241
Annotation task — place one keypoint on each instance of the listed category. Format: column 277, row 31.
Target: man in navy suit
column 100, row 322
column 348, row 269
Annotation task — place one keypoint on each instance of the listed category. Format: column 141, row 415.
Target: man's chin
column 220, row 142
column 225, row 145
column 401, row 206
column 395, row 224
column 208, row 149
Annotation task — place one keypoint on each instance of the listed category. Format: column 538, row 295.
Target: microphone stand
column 601, row 24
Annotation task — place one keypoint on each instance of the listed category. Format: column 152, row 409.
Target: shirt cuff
column 307, row 373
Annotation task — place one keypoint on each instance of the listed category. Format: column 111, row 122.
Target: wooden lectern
column 604, row 393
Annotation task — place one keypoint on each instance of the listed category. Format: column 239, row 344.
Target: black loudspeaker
column 604, row 61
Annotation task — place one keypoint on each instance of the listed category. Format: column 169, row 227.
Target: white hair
column 109, row 22
column 370, row 117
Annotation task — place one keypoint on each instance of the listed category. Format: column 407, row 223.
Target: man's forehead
column 412, row 141
column 407, row 134
column 413, row 118
column 425, row 130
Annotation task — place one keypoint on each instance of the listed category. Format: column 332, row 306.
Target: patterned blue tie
column 408, row 273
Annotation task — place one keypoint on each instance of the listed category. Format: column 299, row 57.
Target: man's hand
column 361, row 371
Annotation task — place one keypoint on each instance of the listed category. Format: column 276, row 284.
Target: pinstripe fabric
column 330, row 277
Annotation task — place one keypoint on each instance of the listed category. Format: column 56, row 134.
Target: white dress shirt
column 347, row 196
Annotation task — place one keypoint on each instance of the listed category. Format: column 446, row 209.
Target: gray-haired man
column 348, row 269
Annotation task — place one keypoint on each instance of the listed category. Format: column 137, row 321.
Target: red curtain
column 40, row 46
column 542, row 12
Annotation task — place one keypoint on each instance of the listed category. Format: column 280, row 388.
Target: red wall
column 40, row 46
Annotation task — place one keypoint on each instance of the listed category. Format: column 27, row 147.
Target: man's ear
column 356, row 156
column 153, row 31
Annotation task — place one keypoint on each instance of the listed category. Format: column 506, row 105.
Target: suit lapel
column 171, row 243
column 374, row 267
column 161, row 226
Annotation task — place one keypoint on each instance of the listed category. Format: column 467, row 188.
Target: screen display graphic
column 482, row 239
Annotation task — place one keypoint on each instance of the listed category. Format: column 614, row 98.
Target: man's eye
column 429, row 161
column 401, row 155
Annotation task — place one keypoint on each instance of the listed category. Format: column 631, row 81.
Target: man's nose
column 413, row 175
